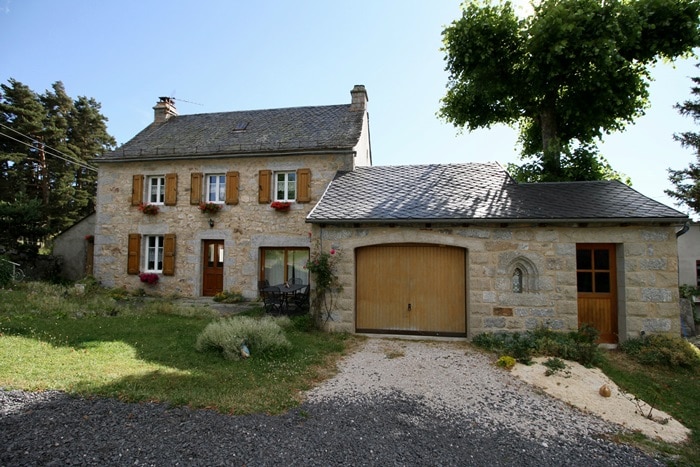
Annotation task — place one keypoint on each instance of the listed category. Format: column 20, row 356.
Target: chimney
column 359, row 98
column 164, row 109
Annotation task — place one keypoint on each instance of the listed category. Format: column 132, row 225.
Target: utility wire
column 70, row 158
column 81, row 164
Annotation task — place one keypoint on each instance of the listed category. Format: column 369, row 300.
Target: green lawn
column 143, row 350
column 137, row 349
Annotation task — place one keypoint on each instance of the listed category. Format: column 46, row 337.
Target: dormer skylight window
column 240, row 126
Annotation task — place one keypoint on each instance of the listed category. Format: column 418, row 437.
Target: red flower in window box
column 150, row 278
column 209, row 208
column 280, row 205
column 149, row 209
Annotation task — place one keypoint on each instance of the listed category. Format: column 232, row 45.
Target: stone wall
column 244, row 227
column 647, row 268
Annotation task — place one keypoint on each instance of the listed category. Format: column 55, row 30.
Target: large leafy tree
column 47, row 142
column 687, row 181
column 566, row 75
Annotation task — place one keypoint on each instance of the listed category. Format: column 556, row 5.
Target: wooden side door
column 213, row 267
column 596, row 280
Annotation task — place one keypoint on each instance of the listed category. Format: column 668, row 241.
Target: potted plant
column 210, row 208
column 150, row 278
column 280, row 205
column 149, row 209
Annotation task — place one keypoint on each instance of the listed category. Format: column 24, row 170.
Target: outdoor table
column 287, row 290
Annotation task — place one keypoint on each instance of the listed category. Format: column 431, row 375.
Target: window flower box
column 210, row 208
column 149, row 209
column 150, row 278
column 280, row 206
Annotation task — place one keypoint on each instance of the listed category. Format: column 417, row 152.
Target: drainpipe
column 685, row 229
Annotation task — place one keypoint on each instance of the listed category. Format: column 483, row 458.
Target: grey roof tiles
column 476, row 192
column 266, row 131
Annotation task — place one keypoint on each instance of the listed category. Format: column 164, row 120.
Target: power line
column 66, row 157
column 81, row 164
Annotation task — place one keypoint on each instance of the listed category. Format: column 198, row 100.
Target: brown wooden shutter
column 231, row 187
column 196, row 188
column 134, row 254
column 169, row 255
column 170, row 189
column 137, row 190
column 264, row 184
column 303, row 185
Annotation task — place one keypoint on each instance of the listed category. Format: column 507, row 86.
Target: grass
column 675, row 391
column 138, row 349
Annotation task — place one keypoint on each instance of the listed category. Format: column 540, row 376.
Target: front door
column 597, row 289
column 213, row 270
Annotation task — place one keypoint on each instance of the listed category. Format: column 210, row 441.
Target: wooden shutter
column 137, row 190
column 231, row 187
column 264, row 184
column 196, row 188
column 303, row 185
column 134, row 255
column 170, row 189
column 169, row 255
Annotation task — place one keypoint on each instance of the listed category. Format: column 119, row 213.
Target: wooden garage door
column 411, row 289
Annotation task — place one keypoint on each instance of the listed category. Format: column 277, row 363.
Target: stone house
column 237, row 166
column 456, row 250
column 448, row 250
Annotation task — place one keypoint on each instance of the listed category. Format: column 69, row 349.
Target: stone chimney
column 359, row 98
column 164, row 109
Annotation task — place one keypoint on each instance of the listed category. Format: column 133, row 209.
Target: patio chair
column 273, row 300
column 263, row 284
column 297, row 280
column 300, row 301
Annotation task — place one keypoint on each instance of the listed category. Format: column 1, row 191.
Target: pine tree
column 687, row 181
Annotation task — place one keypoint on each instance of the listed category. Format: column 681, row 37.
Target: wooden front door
column 213, row 269
column 596, row 280
column 411, row 289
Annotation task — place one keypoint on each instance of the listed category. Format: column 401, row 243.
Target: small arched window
column 517, row 280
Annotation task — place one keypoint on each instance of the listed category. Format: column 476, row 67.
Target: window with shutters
column 285, row 186
column 156, row 189
column 151, row 253
column 216, row 188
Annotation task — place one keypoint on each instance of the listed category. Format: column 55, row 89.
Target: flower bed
column 280, row 205
column 150, row 278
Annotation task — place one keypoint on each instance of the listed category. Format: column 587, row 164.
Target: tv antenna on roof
column 172, row 96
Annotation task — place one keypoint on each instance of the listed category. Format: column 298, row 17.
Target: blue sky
column 223, row 55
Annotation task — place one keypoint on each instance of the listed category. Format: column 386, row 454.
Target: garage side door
column 411, row 289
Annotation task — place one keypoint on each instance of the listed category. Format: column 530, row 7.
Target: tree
column 566, row 75
column 47, row 142
column 687, row 181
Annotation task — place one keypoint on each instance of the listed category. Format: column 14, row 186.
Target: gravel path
column 392, row 403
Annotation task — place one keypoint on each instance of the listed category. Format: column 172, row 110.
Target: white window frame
column 153, row 254
column 159, row 192
column 287, row 186
column 219, row 187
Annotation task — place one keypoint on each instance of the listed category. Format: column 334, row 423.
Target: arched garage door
column 411, row 289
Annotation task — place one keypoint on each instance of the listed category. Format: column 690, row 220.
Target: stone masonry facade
column 647, row 268
column 245, row 227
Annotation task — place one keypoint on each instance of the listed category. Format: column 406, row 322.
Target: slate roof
column 476, row 192
column 268, row 131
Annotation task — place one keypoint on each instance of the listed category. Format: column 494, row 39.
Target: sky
column 226, row 55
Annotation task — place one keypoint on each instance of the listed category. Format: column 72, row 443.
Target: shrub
column 662, row 350
column 506, row 362
column 579, row 346
column 232, row 296
column 262, row 336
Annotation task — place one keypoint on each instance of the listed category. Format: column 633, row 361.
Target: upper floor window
column 154, row 254
column 156, row 189
column 285, row 186
column 216, row 188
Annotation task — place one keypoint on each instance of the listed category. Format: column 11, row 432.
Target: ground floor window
column 280, row 265
column 154, row 254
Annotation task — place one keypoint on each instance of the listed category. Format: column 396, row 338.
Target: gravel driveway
column 394, row 402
